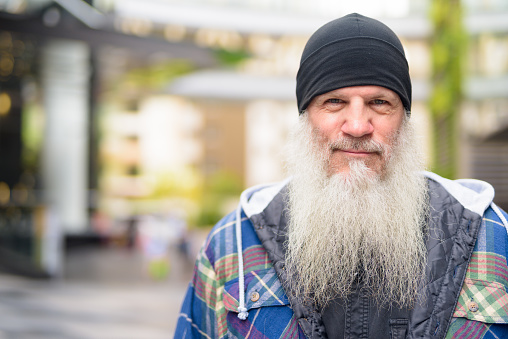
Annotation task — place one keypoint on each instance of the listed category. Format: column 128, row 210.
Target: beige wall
column 223, row 137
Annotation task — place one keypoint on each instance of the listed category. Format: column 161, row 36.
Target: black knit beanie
column 352, row 51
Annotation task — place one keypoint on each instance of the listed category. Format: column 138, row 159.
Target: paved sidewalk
column 107, row 296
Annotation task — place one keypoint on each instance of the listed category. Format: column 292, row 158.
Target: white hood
column 255, row 199
column 474, row 195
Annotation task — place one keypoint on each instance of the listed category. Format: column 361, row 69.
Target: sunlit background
column 131, row 126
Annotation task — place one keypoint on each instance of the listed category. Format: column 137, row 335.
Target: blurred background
column 128, row 128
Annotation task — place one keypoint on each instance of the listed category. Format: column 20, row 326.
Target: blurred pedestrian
column 154, row 239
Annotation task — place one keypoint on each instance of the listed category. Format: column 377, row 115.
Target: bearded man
column 359, row 242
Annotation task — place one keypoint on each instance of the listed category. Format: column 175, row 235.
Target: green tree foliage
column 448, row 48
column 158, row 75
column 230, row 58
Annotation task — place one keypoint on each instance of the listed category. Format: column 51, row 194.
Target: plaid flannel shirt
column 210, row 306
column 482, row 308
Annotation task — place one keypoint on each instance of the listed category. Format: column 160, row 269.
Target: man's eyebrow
column 331, row 95
column 383, row 95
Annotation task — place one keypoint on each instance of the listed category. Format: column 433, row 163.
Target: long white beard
column 359, row 225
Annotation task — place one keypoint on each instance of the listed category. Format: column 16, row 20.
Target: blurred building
column 485, row 108
column 143, row 102
column 51, row 81
column 274, row 35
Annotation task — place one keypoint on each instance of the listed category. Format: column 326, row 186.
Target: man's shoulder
column 222, row 241
column 491, row 248
column 223, row 231
column 496, row 214
column 253, row 201
column 495, row 230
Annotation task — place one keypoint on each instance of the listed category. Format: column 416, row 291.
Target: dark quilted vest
column 451, row 239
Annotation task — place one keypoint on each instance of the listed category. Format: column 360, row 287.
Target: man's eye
column 379, row 102
column 334, row 101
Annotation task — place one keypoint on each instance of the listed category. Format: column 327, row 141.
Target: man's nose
column 357, row 122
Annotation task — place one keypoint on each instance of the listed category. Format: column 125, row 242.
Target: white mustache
column 358, row 144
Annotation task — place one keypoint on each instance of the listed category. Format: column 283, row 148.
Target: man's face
column 353, row 151
column 357, row 123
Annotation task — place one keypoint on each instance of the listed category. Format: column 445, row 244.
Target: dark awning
column 56, row 21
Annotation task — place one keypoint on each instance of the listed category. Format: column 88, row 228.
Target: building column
column 65, row 88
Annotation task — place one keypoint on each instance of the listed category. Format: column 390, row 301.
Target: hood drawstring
column 242, row 311
column 500, row 215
